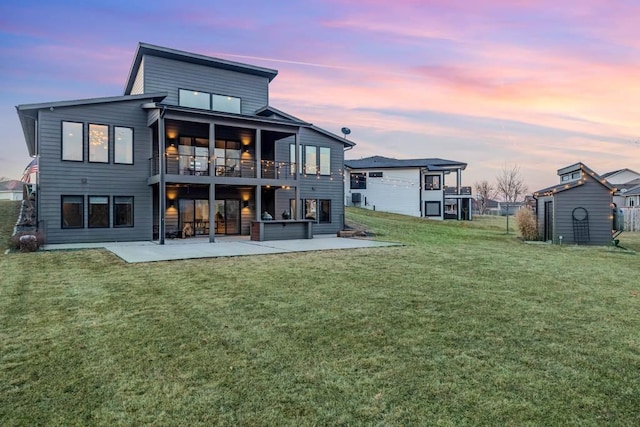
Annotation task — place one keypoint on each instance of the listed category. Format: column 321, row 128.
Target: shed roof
column 433, row 164
column 587, row 171
column 193, row 58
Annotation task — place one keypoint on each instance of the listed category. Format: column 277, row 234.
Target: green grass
column 463, row 325
column 8, row 216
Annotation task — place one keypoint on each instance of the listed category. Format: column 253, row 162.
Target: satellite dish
column 346, row 131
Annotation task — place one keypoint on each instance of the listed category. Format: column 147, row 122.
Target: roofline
column 194, row 58
column 262, row 119
column 345, row 141
column 608, row 174
column 435, row 166
column 88, row 101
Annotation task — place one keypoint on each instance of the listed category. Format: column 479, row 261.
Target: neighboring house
column 416, row 187
column 624, row 180
column 578, row 209
column 11, row 190
column 192, row 148
column 491, row 206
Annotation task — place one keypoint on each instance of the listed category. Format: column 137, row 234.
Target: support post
column 162, row 191
column 212, row 213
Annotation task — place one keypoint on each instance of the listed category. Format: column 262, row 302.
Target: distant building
column 11, row 190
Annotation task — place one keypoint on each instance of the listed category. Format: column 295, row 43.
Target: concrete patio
column 177, row 249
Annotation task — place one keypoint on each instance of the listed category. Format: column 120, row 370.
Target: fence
column 631, row 218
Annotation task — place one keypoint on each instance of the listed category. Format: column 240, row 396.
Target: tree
column 510, row 185
column 485, row 191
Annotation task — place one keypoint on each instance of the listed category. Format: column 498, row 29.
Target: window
column 358, row 181
column 310, row 159
column 310, row 209
column 122, row 211
column 226, row 104
column 575, row 175
column 98, row 211
column 432, row 182
column 72, row 138
column 194, row 99
column 431, row 208
column 325, row 211
column 375, row 174
column 99, row 143
column 72, row 211
column 292, row 158
column 325, row 161
column 123, row 145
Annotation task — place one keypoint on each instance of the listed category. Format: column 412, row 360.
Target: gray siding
column 312, row 187
column 596, row 199
column 138, row 83
column 166, row 75
column 59, row 177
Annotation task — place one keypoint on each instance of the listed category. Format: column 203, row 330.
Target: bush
column 26, row 241
column 527, row 224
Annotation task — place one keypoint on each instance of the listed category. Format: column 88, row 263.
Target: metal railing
column 176, row 164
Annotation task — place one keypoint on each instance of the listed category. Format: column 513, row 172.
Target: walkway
column 177, row 249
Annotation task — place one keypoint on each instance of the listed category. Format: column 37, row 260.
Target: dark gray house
column 428, row 188
column 578, row 210
column 192, row 148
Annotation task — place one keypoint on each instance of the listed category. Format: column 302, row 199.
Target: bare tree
column 485, row 191
column 510, row 185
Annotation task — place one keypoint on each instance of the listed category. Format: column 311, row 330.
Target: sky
column 534, row 84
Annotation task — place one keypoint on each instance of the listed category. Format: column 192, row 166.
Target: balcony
column 464, row 191
column 221, row 167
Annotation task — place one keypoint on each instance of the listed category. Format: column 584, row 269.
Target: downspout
column 344, row 171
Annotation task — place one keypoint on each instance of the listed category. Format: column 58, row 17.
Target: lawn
column 463, row 325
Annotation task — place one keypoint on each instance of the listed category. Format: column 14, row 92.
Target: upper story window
column 72, row 137
column 99, row 143
column 208, row 101
column 226, row 104
column 375, row 174
column 310, row 159
column 358, row 181
column 123, row 145
column 325, row 161
column 432, row 182
column 194, row 99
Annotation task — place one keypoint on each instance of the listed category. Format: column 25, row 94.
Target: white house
column 11, row 190
column 627, row 185
column 429, row 188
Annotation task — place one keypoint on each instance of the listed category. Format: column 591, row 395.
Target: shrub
column 26, row 241
column 527, row 224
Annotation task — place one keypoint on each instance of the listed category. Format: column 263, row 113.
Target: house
column 11, row 190
column 578, row 210
column 192, row 148
column 416, row 187
column 626, row 182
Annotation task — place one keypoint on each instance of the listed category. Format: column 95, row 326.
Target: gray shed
column 578, row 210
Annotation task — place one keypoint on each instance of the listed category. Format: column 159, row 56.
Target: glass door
column 227, row 215
column 194, row 217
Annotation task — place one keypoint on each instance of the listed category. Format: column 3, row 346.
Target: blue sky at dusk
column 539, row 84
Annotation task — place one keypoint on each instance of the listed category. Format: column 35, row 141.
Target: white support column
column 458, row 192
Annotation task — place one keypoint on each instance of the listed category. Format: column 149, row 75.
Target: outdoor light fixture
column 245, row 203
column 172, row 203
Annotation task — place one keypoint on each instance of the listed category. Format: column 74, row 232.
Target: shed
column 578, row 210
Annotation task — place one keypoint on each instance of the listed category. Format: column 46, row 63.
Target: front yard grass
column 464, row 325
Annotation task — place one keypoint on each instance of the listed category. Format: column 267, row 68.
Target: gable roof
column 433, row 164
column 608, row 174
column 12, row 185
column 573, row 184
column 193, row 58
column 269, row 110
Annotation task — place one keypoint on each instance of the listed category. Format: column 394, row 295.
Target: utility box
column 618, row 219
column 356, row 198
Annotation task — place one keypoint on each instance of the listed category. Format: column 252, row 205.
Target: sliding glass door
column 194, row 217
column 227, row 216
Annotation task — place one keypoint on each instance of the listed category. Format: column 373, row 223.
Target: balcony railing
column 222, row 167
column 465, row 191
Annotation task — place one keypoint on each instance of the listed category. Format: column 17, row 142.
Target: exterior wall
column 596, row 199
column 138, row 83
column 11, row 195
column 320, row 187
column 435, row 195
column 58, row 177
column 167, row 75
column 398, row 191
